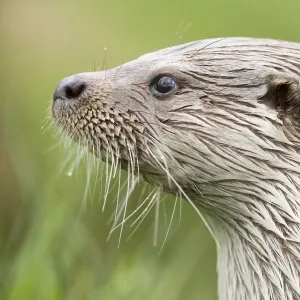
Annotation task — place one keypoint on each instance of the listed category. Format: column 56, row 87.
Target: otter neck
column 257, row 231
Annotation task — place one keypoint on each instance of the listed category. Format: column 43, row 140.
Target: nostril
column 74, row 90
column 70, row 88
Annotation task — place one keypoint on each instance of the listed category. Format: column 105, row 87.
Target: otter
column 217, row 121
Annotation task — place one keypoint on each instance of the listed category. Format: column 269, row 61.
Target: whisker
column 98, row 166
column 125, row 208
column 143, row 191
column 118, row 194
column 107, row 180
column 180, row 209
column 117, row 162
column 147, row 210
column 118, row 212
column 172, row 216
column 131, row 159
column 128, row 217
column 101, row 178
column 76, row 162
column 206, row 46
column 52, row 148
column 104, row 60
column 118, row 70
column 164, row 160
column 87, row 186
column 155, row 235
column 181, row 190
column 180, row 34
column 123, row 205
column 165, row 214
column 73, row 166
column 47, row 124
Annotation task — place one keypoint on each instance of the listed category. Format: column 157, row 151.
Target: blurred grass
column 49, row 249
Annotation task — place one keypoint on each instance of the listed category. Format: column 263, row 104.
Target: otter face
column 120, row 113
column 192, row 114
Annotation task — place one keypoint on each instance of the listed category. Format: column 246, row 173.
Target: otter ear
column 283, row 94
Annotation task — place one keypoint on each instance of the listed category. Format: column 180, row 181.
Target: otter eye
column 163, row 85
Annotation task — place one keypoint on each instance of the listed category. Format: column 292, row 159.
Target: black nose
column 70, row 88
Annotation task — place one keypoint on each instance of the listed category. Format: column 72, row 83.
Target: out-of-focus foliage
column 50, row 247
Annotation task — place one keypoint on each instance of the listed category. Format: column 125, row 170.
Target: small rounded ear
column 283, row 94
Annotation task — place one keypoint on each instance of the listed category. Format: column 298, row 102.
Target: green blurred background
column 49, row 247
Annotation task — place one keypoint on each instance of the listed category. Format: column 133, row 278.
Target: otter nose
column 70, row 88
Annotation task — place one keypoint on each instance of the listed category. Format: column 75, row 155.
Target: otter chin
column 217, row 121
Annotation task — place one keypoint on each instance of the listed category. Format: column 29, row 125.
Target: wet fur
column 227, row 139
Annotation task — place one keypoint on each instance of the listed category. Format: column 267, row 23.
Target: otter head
column 207, row 118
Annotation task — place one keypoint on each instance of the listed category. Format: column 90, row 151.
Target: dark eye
column 163, row 85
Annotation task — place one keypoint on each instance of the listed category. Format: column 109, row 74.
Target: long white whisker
column 145, row 211
column 143, row 191
column 107, row 182
column 118, row 194
column 116, row 215
column 98, row 165
column 151, row 204
column 155, row 235
column 87, row 186
column 79, row 156
column 131, row 161
column 138, row 167
column 50, row 149
column 172, row 216
column 181, row 190
column 126, row 201
column 180, row 209
column 67, row 160
column 117, row 162
column 128, row 217
column 121, row 210
column 165, row 214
